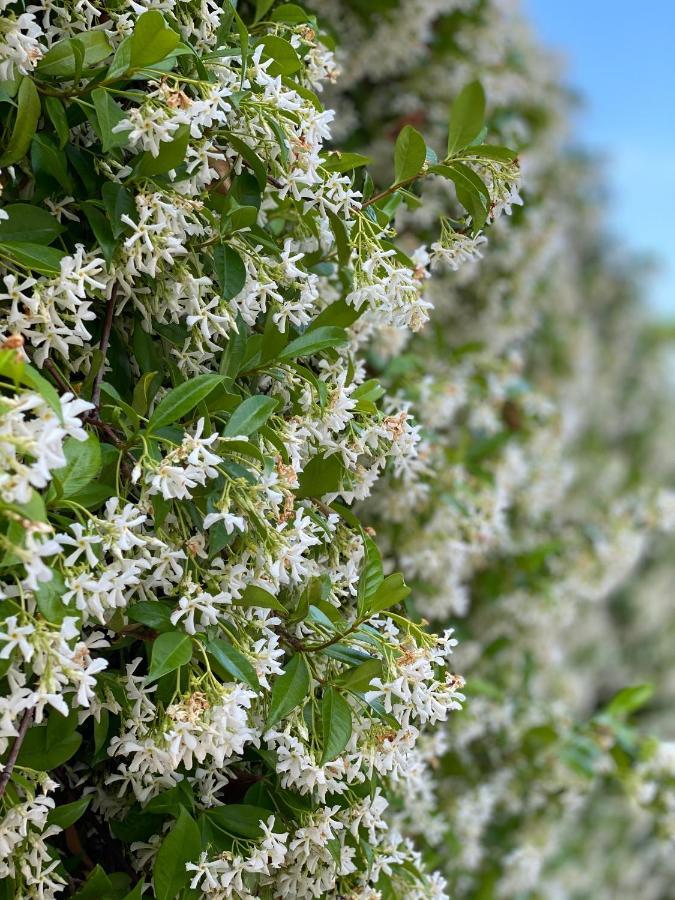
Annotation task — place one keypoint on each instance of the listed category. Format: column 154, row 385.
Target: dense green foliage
column 287, row 395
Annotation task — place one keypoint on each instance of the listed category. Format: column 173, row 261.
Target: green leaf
column 336, row 724
column 25, row 123
column 629, row 699
column 492, row 151
column 48, row 159
column 169, row 652
column 83, row 464
column 169, row 801
column 61, row 60
column 57, row 115
column 171, row 153
column 118, row 202
column 289, row 690
column 285, row 60
column 392, row 591
column 100, row 225
column 182, row 399
column 66, row 815
column 45, row 260
column 29, row 223
column 49, row 598
column 410, row 154
column 152, row 40
column 359, row 677
column 109, row 114
column 466, row 117
column 321, row 475
column 250, row 415
column 152, row 613
column 313, row 341
column 97, row 885
column 371, row 576
column 257, row 596
column 249, row 156
column 181, row 845
column 230, row 270
column 239, row 818
column 32, row 377
column 43, row 752
column 234, row 662
column 344, row 162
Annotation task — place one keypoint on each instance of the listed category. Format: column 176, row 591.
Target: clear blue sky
column 620, row 56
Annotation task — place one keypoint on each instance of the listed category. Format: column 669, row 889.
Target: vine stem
column 6, row 773
column 103, row 346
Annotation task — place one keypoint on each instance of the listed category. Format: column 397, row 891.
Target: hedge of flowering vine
column 229, row 435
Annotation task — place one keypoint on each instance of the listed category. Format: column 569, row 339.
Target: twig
column 103, row 346
column 56, row 375
column 14, row 752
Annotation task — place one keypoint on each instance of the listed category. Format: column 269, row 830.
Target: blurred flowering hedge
column 295, row 391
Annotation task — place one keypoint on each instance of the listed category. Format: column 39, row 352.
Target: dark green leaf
column 289, row 690
column 68, row 813
column 169, row 652
column 171, row 154
column 336, row 724
column 45, row 260
column 182, row 399
column 239, row 818
column 234, row 662
column 230, row 270
column 181, row 845
column 25, row 123
column 29, row 223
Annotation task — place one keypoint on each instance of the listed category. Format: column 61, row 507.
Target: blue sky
column 621, row 57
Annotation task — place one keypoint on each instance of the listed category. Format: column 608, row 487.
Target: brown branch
column 57, row 376
column 103, row 346
column 6, row 774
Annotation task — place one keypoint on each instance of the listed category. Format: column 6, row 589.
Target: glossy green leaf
column 410, row 154
column 230, row 270
column 313, row 341
column 234, row 662
column 152, row 40
column 169, row 652
column 109, row 114
column 83, row 464
column 289, row 690
column 336, row 724
column 29, row 223
column 250, row 415
column 25, row 123
column 285, row 60
column 61, row 61
column 182, row 400
column 392, row 591
column 466, row 117
column 68, row 813
column 257, row 596
column 239, row 819
column 181, row 845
